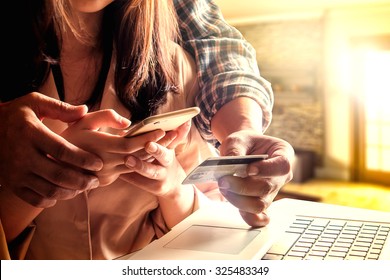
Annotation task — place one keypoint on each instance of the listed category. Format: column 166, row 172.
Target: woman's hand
column 163, row 177
column 254, row 193
column 171, row 140
column 156, row 167
column 111, row 148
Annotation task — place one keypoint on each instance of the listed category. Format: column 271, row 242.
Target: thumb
column 182, row 132
column 255, row 220
column 48, row 107
column 233, row 146
column 104, row 118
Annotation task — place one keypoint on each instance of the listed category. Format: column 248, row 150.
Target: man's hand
column 36, row 164
column 254, row 193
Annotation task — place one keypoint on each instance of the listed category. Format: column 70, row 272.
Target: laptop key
column 372, row 256
column 284, row 244
column 337, row 254
column 272, row 257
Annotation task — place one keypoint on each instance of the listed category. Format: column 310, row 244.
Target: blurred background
column 329, row 65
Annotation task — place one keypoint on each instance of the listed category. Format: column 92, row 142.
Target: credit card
column 216, row 167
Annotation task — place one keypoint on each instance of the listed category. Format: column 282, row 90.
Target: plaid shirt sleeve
column 226, row 62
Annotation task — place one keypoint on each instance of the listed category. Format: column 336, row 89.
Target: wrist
column 175, row 193
column 239, row 114
column 178, row 205
column 15, row 213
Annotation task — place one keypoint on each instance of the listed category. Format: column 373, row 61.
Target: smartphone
column 215, row 167
column 166, row 121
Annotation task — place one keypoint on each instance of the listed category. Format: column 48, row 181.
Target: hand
column 163, row 177
column 32, row 155
column 172, row 140
column 156, row 168
column 254, row 193
column 88, row 134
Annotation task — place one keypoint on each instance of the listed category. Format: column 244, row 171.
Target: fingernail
column 94, row 183
column 223, row 184
column 125, row 122
column 97, row 165
column 253, row 170
column 224, row 192
column 152, row 147
column 171, row 136
column 130, row 161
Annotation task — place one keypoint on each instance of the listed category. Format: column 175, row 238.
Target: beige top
column 118, row 219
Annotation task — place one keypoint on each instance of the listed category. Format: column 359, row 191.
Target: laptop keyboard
column 322, row 238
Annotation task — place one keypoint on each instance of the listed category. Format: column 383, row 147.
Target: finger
column 45, row 106
column 41, row 193
column 143, row 155
column 115, row 171
column 146, row 169
column 54, row 145
column 251, row 204
column 34, row 199
column 160, row 153
column 48, row 191
column 165, row 141
column 271, row 167
column 137, row 143
column 121, row 145
column 252, row 208
column 123, row 169
column 144, row 183
column 234, row 146
column 65, row 176
column 248, row 186
column 181, row 133
column 169, row 137
column 255, row 220
column 104, row 118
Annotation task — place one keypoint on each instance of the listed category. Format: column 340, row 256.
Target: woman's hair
column 139, row 32
column 147, row 29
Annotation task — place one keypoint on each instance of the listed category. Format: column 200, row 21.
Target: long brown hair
column 139, row 32
column 148, row 28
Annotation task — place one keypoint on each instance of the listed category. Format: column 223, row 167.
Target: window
column 371, row 77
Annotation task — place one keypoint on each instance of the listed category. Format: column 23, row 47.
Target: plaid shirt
column 226, row 62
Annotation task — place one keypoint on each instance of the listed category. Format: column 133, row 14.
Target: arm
column 226, row 67
column 231, row 84
column 15, row 214
column 247, row 116
column 242, row 135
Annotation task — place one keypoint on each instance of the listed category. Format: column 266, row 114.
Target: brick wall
column 290, row 56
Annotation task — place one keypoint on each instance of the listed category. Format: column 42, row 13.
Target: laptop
column 298, row 230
